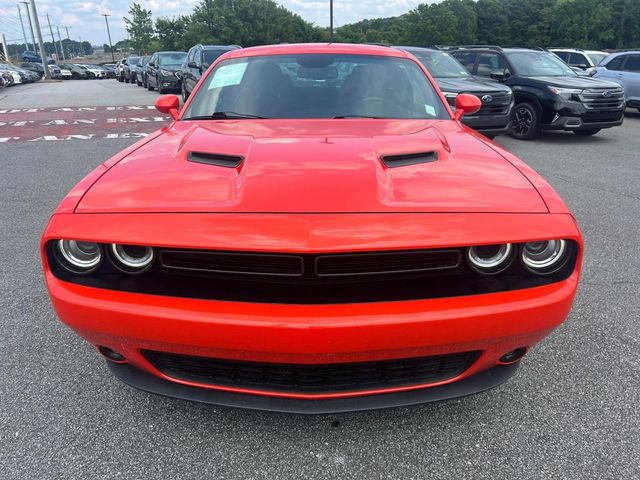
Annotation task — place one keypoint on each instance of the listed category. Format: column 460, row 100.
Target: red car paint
column 313, row 186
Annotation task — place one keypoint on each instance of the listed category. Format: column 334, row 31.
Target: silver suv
column 623, row 68
column 583, row 62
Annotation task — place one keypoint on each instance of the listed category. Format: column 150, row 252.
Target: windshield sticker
column 430, row 110
column 228, row 75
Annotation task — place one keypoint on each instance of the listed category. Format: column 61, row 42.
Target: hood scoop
column 404, row 160
column 217, row 159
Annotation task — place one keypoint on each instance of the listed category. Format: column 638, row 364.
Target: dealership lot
column 570, row 412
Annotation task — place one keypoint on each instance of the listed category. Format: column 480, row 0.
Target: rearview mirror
column 465, row 105
column 168, row 104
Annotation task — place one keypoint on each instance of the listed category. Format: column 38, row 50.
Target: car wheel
column 586, row 132
column 526, row 121
column 185, row 97
column 160, row 89
column 149, row 87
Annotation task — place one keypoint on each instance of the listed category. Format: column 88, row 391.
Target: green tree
column 140, row 28
column 170, row 33
column 493, row 23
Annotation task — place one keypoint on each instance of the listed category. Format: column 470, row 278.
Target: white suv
column 582, row 61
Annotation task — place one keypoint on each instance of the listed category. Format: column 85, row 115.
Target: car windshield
column 317, row 86
column 539, row 64
column 171, row 59
column 210, row 56
column 134, row 60
column 596, row 58
column 440, row 64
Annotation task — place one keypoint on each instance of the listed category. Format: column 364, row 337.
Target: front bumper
column 311, row 334
column 169, row 82
column 489, row 125
column 571, row 123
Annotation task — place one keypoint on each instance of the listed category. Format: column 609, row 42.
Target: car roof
column 416, row 49
column 219, row 47
column 317, row 48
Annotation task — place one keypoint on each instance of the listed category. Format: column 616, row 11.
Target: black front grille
column 233, row 263
column 322, row 378
column 355, row 277
column 498, row 105
column 602, row 99
column 594, row 117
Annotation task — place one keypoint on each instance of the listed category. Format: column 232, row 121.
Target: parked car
column 494, row 118
column 12, row 73
column 162, row 71
column 35, row 67
column 94, row 71
column 77, row 73
column 624, row 69
column 110, row 69
column 136, row 70
column 199, row 58
column 30, row 56
column 314, row 232
column 120, row 69
column 549, row 95
column 129, row 68
column 582, row 61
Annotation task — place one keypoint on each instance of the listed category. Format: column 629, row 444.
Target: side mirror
column 151, row 64
column 169, row 104
column 499, row 76
column 466, row 104
column 193, row 65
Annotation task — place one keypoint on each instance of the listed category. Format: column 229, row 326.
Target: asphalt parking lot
column 571, row 412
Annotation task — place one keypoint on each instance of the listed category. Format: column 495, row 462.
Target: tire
column 160, row 90
column 586, row 132
column 126, row 80
column 526, row 121
column 185, row 97
column 149, row 87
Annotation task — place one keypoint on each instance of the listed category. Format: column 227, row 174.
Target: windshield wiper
column 224, row 115
column 356, row 116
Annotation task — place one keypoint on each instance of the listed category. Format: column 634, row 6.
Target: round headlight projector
column 132, row 258
column 80, row 257
column 490, row 258
column 546, row 256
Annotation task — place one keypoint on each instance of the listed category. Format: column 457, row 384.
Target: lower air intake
column 322, row 378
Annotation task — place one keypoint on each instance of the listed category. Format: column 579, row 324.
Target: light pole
column 106, row 20
column 69, row 42
column 26, row 44
column 33, row 37
column 331, row 20
column 43, row 52
column 60, row 42
column 53, row 39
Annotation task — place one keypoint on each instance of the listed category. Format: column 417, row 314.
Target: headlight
column 490, row 259
column 565, row 93
column 544, row 257
column 79, row 257
column 166, row 73
column 132, row 258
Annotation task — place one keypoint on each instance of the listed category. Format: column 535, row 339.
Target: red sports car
column 315, row 231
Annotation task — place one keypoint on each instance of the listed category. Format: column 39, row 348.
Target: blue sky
column 85, row 21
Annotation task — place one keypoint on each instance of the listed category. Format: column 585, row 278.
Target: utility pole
column 60, row 42
column 43, row 52
column 331, row 20
column 53, row 39
column 69, row 40
column 26, row 44
column 33, row 37
column 106, row 20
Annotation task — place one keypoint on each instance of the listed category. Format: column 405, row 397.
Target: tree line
column 600, row 24
column 597, row 24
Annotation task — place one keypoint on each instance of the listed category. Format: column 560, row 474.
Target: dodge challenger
column 315, row 231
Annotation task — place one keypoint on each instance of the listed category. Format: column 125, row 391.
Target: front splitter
column 474, row 384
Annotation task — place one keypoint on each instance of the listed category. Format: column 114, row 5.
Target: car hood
column 313, row 166
column 577, row 82
column 472, row 84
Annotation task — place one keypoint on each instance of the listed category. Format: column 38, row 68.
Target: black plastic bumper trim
column 475, row 384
